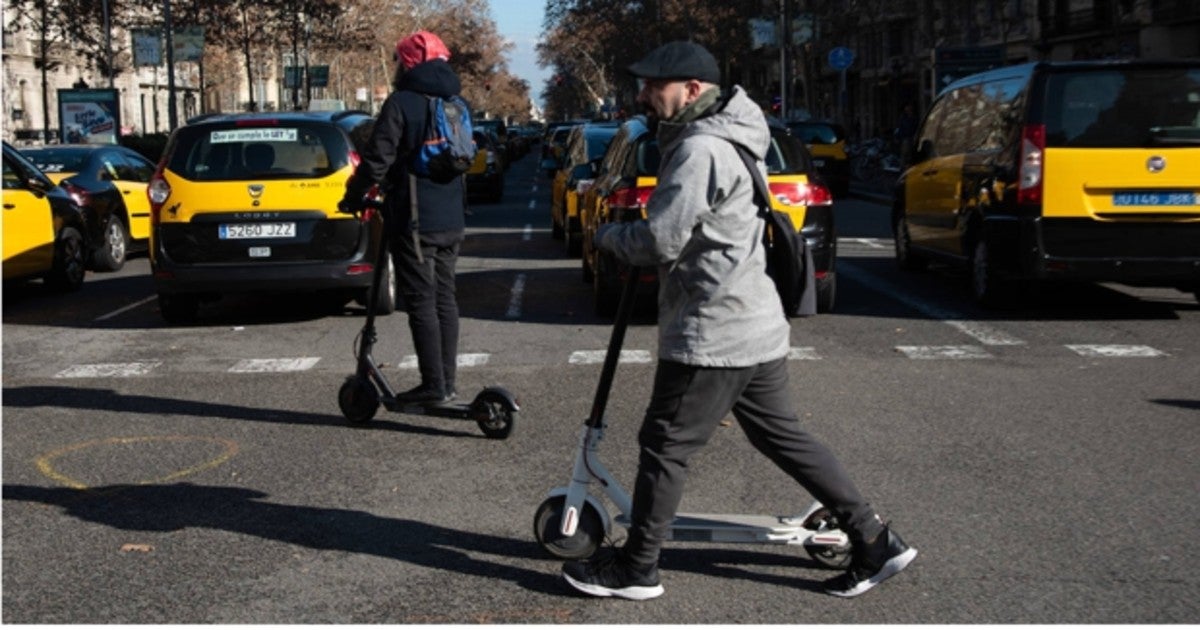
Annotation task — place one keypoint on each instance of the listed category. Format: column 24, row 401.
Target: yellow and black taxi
column 485, row 178
column 109, row 183
column 248, row 203
column 628, row 174
column 44, row 233
column 1080, row 171
column 826, row 143
column 585, row 146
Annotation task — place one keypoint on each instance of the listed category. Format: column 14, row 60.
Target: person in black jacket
column 426, row 281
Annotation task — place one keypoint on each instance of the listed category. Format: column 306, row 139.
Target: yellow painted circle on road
column 229, row 448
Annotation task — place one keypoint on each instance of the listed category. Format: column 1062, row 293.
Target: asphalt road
column 1043, row 460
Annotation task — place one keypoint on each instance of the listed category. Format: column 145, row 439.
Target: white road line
column 803, row 354
column 514, row 300
column 100, row 370
column 532, row 204
column 944, row 352
column 275, row 365
column 982, row 333
column 467, row 359
column 534, row 189
column 528, row 233
column 1115, row 350
column 588, row 357
column 125, row 308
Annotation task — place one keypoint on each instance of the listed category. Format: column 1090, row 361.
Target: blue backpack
column 447, row 147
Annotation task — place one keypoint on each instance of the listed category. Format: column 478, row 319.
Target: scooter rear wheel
column 582, row 544
column 494, row 415
column 358, row 400
column 834, row 557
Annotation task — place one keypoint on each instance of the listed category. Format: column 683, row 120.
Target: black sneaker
column 871, row 564
column 609, row 574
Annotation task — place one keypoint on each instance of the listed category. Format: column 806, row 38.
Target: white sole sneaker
column 638, row 593
column 893, row 566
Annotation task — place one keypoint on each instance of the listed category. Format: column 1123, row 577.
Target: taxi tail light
column 801, row 194
column 358, row 269
column 157, row 191
column 355, row 160
column 1033, row 148
column 81, row 197
column 630, row 198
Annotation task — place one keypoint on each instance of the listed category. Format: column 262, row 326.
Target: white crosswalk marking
column 409, row 362
column 944, row 352
column 100, row 370
column 587, row 357
column 803, row 354
column 275, row 365
column 1115, row 350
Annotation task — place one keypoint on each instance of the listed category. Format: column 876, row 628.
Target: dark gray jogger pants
column 687, row 404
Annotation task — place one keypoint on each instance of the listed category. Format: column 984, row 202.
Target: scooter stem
column 613, row 354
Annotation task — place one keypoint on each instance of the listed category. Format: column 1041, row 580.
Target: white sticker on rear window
column 259, row 134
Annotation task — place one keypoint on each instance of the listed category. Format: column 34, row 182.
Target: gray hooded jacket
column 716, row 305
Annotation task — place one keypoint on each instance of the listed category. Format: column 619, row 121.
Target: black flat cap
column 678, row 60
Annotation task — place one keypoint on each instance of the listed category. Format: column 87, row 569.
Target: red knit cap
column 420, row 47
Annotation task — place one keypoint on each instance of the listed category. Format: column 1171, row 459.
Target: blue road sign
column 840, row 58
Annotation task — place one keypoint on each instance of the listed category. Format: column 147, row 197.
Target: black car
column 109, row 183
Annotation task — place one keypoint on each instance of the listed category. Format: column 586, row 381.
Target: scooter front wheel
column 494, row 414
column 582, row 544
column 358, row 399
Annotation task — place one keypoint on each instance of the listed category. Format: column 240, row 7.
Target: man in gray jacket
column 723, row 337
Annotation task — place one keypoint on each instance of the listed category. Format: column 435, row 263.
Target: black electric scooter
column 494, row 409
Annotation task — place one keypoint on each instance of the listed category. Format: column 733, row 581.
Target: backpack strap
column 762, row 194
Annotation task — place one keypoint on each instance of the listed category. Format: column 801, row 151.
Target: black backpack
column 789, row 261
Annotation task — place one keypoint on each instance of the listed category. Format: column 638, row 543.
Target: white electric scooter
column 571, row 523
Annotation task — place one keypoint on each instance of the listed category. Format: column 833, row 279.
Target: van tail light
column 1033, row 148
column 81, row 197
column 158, row 191
column 628, row 204
column 801, row 194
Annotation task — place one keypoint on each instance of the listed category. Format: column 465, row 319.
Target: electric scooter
column 494, row 409
column 571, row 523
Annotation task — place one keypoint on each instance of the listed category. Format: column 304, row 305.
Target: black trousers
column 429, row 294
column 685, row 409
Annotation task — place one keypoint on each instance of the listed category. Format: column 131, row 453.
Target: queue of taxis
column 627, row 175
column 585, row 146
column 826, row 143
column 44, row 231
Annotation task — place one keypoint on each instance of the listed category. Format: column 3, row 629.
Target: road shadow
column 739, row 564
column 1177, row 402
column 176, row 507
column 92, row 399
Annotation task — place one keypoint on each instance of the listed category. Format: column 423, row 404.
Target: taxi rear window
column 1123, row 108
column 286, row 151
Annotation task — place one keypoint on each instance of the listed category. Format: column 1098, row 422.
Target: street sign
column 840, row 58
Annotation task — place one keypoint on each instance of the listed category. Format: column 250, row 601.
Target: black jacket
column 398, row 129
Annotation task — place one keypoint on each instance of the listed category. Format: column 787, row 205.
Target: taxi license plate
column 1154, row 199
column 228, row 231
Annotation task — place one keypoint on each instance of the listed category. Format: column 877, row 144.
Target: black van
column 1085, row 170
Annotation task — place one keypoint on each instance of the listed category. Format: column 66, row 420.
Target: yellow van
column 1086, row 170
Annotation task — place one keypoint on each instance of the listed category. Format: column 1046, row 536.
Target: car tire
column 113, row 247
column 586, row 270
column 70, row 261
column 826, row 292
column 905, row 258
column 556, row 230
column 605, row 297
column 498, row 193
column 386, row 296
column 178, row 308
column 572, row 241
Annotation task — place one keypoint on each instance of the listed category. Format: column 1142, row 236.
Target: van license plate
column 1154, row 199
column 260, row 252
column 257, row 230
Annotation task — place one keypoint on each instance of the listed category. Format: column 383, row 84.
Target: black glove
column 345, row 207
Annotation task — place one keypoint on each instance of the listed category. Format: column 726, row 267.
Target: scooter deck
column 743, row 528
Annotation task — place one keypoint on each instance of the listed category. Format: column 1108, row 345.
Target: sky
column 520, row 21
